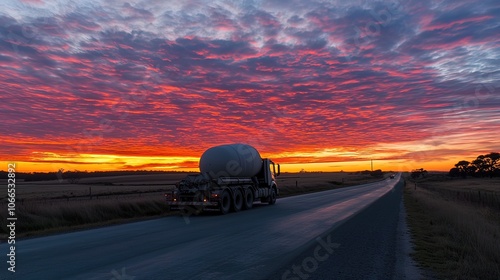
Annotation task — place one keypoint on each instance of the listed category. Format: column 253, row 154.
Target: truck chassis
column 202, row 192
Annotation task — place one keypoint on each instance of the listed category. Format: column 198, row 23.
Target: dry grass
column 39, row 217
column 51, row 206
column 454, row 238
column 297, row 183
column 480, row 191
column 98, row 185
column 442, row 181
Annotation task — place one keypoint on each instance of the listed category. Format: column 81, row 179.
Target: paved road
column 252, row 244
column 369, row 245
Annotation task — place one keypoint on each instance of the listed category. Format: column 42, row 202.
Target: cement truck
column 232, row 177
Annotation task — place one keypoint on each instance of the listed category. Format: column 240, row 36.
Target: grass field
column 455, row 226
column 297, row 183
column 97, row 187
column 44, row 207
column 481, row 191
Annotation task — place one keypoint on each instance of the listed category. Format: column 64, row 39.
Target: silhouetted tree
column 471, row 170
column 462, row 167
column 417, row 173
column 487, row 165
column 495, row 157
column 493, row 161
column 481, row 165
column 73, row 177
column 454, row 172
column 377, row 173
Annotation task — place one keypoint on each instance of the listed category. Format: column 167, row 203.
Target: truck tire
column 272, row 197
column 225, row 203
column 248, row 199
column 237, row 201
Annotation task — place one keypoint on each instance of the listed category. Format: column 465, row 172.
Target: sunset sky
column 315, row 85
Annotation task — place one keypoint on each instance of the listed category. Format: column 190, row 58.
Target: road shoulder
column 406, row 267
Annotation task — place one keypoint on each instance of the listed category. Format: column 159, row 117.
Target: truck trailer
column 232, row 177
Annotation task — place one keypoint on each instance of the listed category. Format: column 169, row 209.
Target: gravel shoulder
column 374, row 244
column 406, row 267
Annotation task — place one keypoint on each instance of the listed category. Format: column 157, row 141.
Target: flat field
column 442, row 181
column 455, row 225
column 50, row 206
column 479, row 191
column 297, row 183
column 97, row 187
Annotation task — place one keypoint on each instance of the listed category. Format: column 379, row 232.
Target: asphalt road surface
column 373, row 244
column 262, row 243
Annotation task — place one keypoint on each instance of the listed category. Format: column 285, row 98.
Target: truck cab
column 270, row 171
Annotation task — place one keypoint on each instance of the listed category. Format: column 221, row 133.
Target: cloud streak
column 173, row 79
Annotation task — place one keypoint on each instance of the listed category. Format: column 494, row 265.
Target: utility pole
column 372, row 164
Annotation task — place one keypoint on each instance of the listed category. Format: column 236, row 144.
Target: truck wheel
column 238, row 201
column 225, row 203
column 272, row 197
column 248, row 199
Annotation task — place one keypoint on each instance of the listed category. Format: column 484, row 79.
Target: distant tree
column 481, row 166
column 377, row 173
column 417, row 173
column 471, row 170
column 454, row 172
column 496, row 172
column 462, row 167
column 73, row 177
column 487, row 165
column 493, row 162
column 496, row 164
column 59, row 174
column 423, row 172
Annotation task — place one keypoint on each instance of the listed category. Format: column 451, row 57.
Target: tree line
column 417, row 173
column 483, row 166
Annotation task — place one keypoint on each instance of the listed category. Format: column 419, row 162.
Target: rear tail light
column 170, row 197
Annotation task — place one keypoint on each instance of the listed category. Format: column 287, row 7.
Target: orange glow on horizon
column 402, row 166
column 325, row 160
